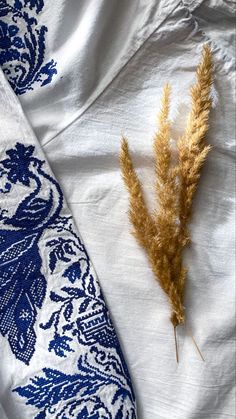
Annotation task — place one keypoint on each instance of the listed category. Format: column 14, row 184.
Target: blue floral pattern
column 22, row 45
column 19, row 253
column 83, row 389
column 78, row 315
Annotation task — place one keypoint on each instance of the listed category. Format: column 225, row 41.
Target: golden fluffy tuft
column 164, row 234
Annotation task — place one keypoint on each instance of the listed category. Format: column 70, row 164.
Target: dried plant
column 164, row 233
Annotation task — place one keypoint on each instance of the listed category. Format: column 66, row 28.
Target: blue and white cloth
column 60, row 356
column 76, row 75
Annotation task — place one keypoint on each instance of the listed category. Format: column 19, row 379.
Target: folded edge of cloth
column 60, row 353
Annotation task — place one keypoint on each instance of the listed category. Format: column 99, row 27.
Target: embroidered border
column 79, row 318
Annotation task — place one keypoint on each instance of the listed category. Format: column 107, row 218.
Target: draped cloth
column 84, row 327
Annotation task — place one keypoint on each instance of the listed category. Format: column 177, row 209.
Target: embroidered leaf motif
column 31, row 211
column 74, row 292
column 55, row 297
column 84, row 305
column 73, row 272
column 62, row 250
column 80, row 392
column 68, row 311
column 91, row 288
column 22, row 290
column 60, row 345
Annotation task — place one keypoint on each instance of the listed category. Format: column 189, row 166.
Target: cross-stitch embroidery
column 83, row 390
column 79, row 318
column 22, row 45
column 22, row 283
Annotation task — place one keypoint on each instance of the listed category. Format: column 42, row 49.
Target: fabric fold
column 60, row 356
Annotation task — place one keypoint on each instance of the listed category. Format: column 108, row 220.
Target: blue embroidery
column 93, row 326
column 70, row 320
column 83, row 390
column 37, row 4
column 22, row 284
column 22, row 45
column 79, row 317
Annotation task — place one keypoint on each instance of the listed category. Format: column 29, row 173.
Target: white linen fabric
column 60, row 356
column 108, row 62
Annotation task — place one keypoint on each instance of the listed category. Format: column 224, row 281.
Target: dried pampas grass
column 164, row 233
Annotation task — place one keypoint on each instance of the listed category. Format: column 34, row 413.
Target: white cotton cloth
column 2, row 413
column 113, row 58
column 60, row 355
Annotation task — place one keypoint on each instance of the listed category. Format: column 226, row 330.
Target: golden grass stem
column 195, row 343
column 164, row 234
column 176, row 344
